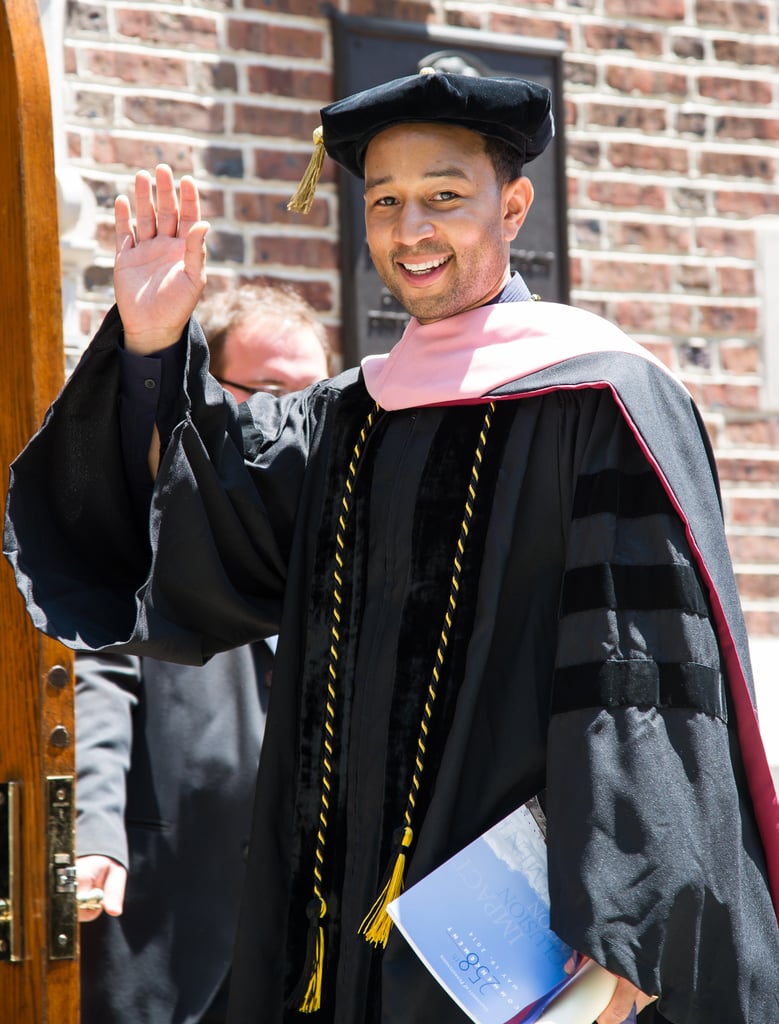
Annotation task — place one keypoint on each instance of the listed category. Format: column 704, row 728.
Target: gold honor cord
column 307, row 995
column 376, row 927
column 377, row 924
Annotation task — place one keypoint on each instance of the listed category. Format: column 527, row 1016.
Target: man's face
column 438, row 222
column 269, row 353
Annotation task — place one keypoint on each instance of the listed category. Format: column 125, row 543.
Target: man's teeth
column 420, row 268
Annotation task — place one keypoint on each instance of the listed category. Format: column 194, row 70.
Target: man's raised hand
column 159, row 271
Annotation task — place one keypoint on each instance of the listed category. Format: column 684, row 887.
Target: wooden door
column 38, row 926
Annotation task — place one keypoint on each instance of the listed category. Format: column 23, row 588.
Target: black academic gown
column 582, row 662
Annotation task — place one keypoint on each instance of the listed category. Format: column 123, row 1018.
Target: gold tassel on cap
column 377, row 925
column 303, row 199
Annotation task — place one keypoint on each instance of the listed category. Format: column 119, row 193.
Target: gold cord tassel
column 303, row 199
column 307, row 994
column 377, row 925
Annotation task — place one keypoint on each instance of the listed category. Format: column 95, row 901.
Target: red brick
column 164, row 28
column 575, row 272
column 209, row 77
column 641, row 42
column 691, row 122
column 507, row 24
column 736, row 281
column 295, row 252
column 753, row 510
column 762, row 623
column 464, row 18
column 664, row 10
column 662, row 350
column 747, row 203
column 225, row 246
column 694, row 277
column 288, row 122
column 286, row 165
column 587, row 232
column 739, row 320
column 272, row 209
column 747, row 128
column 583, row 151
column 223, row 161
column 688, row 47
column 620, row 275
column 646, row 80
column 734, row 15
column 755, row 586
column 756, row 433
column 674, row 159
column 300, row 8
column 736, row 90
column 579, row 69
column 295, row 82
column 136, row 152
column 169, row 113
column 739, row 358
column 731, row 396
column 650, row 236
column 73, row 143
column 397, row 10
column 628, row 195
column 631, row 116
column 754, row 548
column 737, row 164
column 653, row 316
column 744, row 53
column 94, row 107
column 212, row 203
column 268, row 38
column 689, row 200
column 724, row 240
column 134, row 67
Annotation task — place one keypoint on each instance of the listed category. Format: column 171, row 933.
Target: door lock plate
column 63, row 912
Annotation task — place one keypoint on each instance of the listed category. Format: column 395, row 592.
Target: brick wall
column 672, row 122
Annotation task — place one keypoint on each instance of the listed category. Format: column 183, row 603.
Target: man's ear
column 517, row 199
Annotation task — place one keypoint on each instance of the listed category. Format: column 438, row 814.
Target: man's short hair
column 220, row 312
column 505, row 160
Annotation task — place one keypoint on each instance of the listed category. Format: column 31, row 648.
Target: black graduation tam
column 514, row 110
column 511, row 109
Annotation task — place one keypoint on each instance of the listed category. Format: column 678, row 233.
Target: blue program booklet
column 480, row 924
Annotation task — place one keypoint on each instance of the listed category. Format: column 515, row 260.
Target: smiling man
column 497, row 562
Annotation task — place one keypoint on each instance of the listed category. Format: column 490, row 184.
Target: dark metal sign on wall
column 371, row 51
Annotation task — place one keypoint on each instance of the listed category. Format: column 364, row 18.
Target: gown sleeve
column 656, row 867
column 207, row 572
column 107, row 692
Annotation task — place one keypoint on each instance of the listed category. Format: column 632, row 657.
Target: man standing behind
column 167, row 754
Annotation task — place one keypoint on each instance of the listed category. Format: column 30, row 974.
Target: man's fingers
column 195, row 252
column 167, row 202
column 627, row 999
column 145, row 215
column 113, row 889
column 189, row 214
column 95, row 873
column 123, row 224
